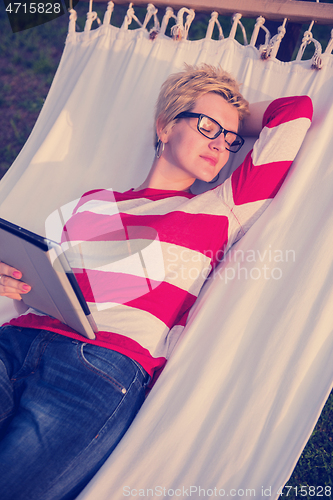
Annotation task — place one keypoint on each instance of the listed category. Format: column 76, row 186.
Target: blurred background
column 28, row 61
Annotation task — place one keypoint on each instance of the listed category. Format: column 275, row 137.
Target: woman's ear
column 163, row 132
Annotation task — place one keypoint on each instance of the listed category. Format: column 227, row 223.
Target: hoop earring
column 159, row 149
column 216, row 178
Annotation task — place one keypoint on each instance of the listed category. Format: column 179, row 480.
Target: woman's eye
column 206, row 126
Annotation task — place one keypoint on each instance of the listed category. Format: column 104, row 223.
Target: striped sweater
column 141, row 257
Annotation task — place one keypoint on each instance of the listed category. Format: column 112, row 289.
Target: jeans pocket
column 146, row 377
column 103, row 362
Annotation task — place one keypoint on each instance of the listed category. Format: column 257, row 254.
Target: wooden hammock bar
column 277, row 10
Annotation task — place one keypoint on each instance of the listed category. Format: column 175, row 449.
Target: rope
column 108, row 14
column 306, row 40
column 72, row 21
column 260, row 24
column 317, row 61
column 130, row 15
column 91, row 17
column 152, row 12
column 179, row 31
column 211, row 25
column 235, row 22
column 166, row 18
column 270, row 50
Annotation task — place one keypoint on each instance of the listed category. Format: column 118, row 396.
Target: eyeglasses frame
column 189, row 114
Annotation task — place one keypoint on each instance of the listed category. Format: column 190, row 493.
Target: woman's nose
column 219, row 143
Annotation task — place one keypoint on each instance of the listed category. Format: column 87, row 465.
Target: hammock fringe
column 183, row 20
column 211, row 25
column 235, row 22
column 108, row 14
column 260, row 24
column 271, row 49
column 317, row 60
column 180, row 30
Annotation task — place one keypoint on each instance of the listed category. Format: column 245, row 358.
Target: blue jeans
column 64, row 406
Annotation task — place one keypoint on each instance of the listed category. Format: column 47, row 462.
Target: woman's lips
column 210, row 159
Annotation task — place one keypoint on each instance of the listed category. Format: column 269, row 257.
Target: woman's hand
column 10, row 286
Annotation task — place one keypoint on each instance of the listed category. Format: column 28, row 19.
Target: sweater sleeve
column 256, row 181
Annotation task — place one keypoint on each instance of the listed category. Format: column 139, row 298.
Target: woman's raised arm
column 251, row 125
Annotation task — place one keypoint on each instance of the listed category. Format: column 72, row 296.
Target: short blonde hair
column 181, row 90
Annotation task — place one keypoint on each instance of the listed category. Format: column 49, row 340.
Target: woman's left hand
column 10, row 286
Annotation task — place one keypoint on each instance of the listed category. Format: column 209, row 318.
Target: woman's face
column 188, row 154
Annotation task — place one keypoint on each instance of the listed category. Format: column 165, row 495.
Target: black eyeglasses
column 212, row 129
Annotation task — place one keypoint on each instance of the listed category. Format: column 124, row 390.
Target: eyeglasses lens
column 233, row 141
column 208, row 127
column 212, row 129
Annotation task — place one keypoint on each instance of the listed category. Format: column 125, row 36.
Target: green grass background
column 28, row 62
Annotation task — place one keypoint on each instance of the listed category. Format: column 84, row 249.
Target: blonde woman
column 66, row 401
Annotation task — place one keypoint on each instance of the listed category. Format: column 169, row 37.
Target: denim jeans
column 64, row 406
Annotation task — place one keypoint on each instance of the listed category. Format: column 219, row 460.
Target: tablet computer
column 44, row 266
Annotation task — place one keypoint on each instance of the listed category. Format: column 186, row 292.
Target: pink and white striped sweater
column 142, row 257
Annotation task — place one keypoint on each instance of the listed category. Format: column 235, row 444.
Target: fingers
column 10, row 286
column 14, row 296
column 10, row 271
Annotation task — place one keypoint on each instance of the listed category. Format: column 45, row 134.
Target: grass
column 28, row 62
column 315, row 466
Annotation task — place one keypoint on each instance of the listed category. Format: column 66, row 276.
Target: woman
column 142, row 258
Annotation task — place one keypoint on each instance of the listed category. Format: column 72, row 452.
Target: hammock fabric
column 244, row 387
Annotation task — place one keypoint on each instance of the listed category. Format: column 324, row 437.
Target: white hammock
column 243, row 389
